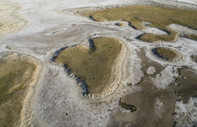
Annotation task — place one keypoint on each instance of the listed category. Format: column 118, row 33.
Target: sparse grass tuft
column 94, row 66
column 160, row 17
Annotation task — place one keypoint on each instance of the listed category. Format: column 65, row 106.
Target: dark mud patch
column 194, row 58
column 146, row 63
column 186, row 85
column 150, row 112
column 145, row 103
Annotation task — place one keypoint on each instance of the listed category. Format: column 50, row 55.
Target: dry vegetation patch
column 93, row 65
column 166, row 54
column 159, row 17
column 193, row 36
column 15, row 75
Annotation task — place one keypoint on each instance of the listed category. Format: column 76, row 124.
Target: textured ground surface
column 94, row 66
column 17, row 73
column 163, row 17
column 164, row 92
column 10, row 21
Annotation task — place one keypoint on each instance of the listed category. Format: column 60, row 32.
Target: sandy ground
column 10, row 21
column 57, row 99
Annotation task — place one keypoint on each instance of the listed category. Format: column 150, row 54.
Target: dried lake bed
column 144, row 75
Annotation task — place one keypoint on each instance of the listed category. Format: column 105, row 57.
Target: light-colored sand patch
column 9, row 20
column 29, row 98
column 153, row 30
column 182, row 29
column 135, row 67
column 188, row 1
column 166, row 77
column 186, row 113
column 4, row 48
column 158, row 108
column 59, row 102
column 151, row 70
column 120, row 24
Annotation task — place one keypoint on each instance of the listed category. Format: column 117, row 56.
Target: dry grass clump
column 166, row 53
column 160, row 17
column 15, row 74
column 94, row 66
column 193, row 36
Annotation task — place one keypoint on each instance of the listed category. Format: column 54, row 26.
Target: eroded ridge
column 17, row 73
column 98, row 68
column 159, row 17
column 9, row 20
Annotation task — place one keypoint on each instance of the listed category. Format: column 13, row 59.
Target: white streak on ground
column 186, row 113
column 166, row 77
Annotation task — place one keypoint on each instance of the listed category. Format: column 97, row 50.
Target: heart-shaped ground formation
column 96, row 66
